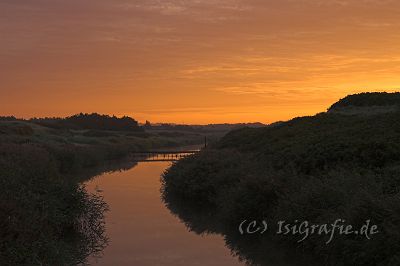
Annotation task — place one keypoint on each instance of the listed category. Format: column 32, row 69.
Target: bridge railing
column 162, row 155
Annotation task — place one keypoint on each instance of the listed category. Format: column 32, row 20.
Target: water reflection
column 251, row 250
column 88, row 238
column 143, row 232
column 106, row 168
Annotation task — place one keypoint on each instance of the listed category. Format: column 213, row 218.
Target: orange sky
column 194, row 61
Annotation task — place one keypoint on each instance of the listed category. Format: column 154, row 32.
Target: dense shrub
column 315, row 169
column 45, row 219
column 368, row 99
column 209, row 174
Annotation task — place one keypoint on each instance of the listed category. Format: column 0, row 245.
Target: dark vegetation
column 45, row 218
column 368, row 100
column 8, row 118
column 315, row 169
column 90, row 121
column 96, row 129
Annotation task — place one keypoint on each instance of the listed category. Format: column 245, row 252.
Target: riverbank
column 46, row 216
column 46, row 219
column 317, row 169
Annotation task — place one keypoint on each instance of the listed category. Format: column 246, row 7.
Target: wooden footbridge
column 162, row 156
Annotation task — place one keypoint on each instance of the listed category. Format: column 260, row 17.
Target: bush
column 44, row 217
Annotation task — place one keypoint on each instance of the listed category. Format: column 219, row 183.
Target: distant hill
column 202, row 128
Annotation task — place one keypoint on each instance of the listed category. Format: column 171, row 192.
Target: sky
column 194, row 61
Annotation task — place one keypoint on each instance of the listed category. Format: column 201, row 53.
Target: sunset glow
column 193, row 61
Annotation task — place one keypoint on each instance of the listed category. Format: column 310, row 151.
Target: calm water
column 141, row 229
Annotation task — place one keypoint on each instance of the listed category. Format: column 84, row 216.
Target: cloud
column 213, row 52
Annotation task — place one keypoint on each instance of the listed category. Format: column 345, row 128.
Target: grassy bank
column 46, row 216
column 335, row 165
column 46, row 219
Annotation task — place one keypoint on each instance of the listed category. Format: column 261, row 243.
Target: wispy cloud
column 161, row 54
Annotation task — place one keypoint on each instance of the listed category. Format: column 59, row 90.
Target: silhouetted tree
column 91, row 121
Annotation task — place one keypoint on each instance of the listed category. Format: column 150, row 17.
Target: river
column 142, row 231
